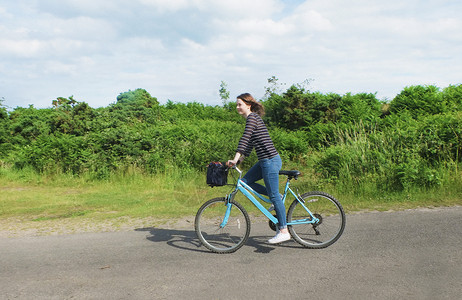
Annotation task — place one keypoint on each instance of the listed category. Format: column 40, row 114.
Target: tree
column 71, row 116
column 64, row 103
column 273, row 88
column 3, row 112
column 224, row 93
column 138, row 97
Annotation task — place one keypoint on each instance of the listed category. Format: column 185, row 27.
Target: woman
column 269, row 162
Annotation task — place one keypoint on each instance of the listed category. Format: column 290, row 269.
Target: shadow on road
column 187, row 240
column 181, row 239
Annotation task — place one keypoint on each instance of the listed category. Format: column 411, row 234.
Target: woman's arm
column 245, row 146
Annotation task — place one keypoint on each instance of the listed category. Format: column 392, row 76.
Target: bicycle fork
column 229, row 199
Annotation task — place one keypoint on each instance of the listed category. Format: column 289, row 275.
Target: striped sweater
column 256, row 136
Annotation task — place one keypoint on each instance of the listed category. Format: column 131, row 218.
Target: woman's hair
column 255, row 106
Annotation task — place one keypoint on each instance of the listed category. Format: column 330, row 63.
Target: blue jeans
column 268, row 170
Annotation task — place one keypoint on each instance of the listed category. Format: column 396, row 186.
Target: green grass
column 37, row 198
column 31, row 197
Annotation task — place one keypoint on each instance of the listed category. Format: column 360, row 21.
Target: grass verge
column 56, row 204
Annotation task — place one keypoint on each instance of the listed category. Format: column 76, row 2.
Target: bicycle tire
column 331, row 220
column 229, row 238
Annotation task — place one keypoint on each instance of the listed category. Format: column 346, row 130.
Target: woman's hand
column 238, row 158
column 231, row 163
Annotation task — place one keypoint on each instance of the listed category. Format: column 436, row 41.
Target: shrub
column 452, row 96
column 440, row 137
column 419, row 101
column 345, row 139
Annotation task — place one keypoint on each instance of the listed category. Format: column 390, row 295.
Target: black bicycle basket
column 217, row 174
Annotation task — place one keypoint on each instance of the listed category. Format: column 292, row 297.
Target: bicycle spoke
column 229, row 238
column 330, row 224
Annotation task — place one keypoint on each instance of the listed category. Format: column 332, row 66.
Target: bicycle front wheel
column 329, row 225
column 217, row 235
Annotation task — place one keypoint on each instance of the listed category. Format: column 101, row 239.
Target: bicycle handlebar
column 237, row 169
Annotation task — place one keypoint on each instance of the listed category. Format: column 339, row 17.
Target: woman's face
column 242, row 108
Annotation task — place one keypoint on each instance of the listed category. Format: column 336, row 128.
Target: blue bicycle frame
column 248, row 191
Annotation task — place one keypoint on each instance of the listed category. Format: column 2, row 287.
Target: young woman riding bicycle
column 269, row 162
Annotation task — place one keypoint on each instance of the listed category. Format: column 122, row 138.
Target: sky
column 181, row 50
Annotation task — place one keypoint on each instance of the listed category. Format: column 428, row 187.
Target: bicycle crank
column 271, row 224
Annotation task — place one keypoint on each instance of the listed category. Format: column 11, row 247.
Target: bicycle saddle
column 291, row 174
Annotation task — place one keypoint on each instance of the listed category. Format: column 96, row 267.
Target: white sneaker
column 279, row 238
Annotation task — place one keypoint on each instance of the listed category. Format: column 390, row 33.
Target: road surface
column 413, row 254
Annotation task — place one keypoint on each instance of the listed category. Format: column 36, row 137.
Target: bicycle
column 315, row 219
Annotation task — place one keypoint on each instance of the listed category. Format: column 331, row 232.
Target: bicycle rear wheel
column 216, row 237
column 330, row 225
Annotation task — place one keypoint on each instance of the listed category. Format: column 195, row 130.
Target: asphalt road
column 401, row 255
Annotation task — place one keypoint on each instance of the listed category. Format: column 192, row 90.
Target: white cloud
column 181, row 50
column 307, row 19
column 168, row 5
column 244, row 9
column 20, row 48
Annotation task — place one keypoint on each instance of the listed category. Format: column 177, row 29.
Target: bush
column 297, row 109
column 290, row 144
column 345, row 139
column 440, row 137
column 5, row 145
column 452, row 96
column 53, row 153
column 419, row 101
